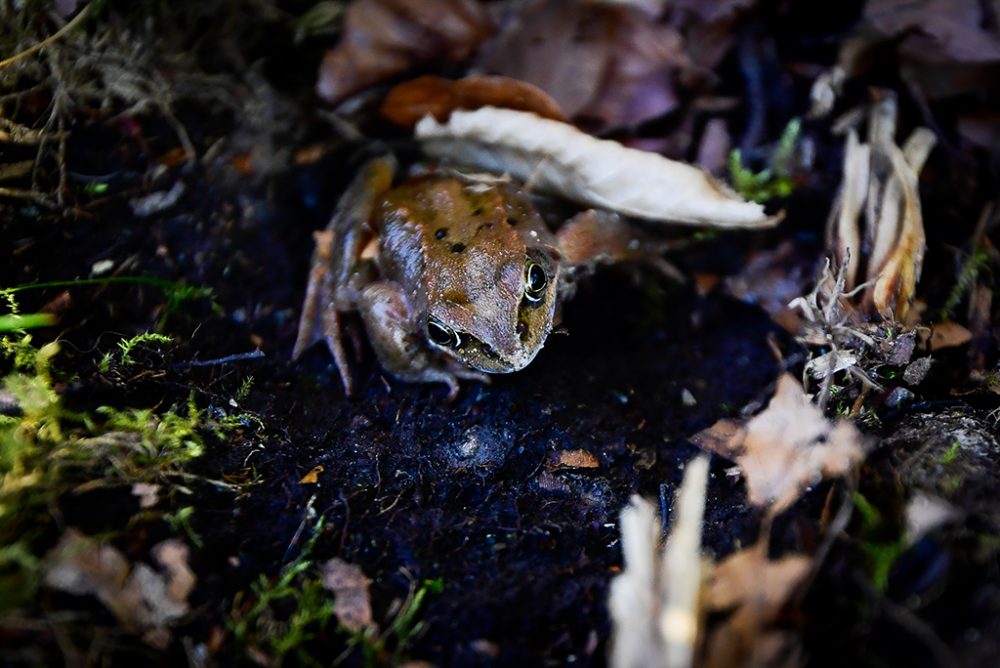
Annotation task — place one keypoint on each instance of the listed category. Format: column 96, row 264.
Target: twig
column 32, row 195
column 59, row 34
column 239, row 357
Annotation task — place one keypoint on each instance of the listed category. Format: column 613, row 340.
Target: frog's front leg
column 596, row 237
column 395, row 333
column 339, row 271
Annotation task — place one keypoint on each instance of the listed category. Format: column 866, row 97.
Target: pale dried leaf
column 925, row 513
column 172, row 555
column 857, row 157
column 787, row 448
column 139, row 597
column 897, row 279
column 352, row 602
column 558, row 158
column 831, row 363
column 147, row 493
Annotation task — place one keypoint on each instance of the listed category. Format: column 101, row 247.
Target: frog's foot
column 320, row 319
column 399, row 341
column 596, row 236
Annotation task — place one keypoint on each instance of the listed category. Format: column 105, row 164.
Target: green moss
column 881, row 543
column 47, row 451
column 776, row 179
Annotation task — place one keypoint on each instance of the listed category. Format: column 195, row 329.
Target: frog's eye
column 442, row 335
column 535, row 281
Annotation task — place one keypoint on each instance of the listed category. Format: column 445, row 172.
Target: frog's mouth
column 483, row 357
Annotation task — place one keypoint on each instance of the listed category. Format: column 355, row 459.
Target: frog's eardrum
column 558, row 158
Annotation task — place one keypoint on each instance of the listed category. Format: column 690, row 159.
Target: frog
column 454, row 277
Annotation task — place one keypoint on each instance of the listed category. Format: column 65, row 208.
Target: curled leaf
column 408, row 102
column 558, row 158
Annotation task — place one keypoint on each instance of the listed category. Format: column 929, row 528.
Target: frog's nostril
column 522, row 329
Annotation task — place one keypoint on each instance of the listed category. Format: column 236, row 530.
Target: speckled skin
column 444, row 273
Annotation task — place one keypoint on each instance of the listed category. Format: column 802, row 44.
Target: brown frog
column 452, row 278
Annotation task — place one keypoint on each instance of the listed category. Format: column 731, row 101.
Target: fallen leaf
column 753, row 590
column 147, row 493
column 139, row 597
column 925, row 513
column 383, row 38
column 879, row 185
column 603, row 62
column 408, row 102
column 948, row 334
column 937, row 31
column 896, row 278
column 172, row 555
column 786, row 448
column 572, row 459
column 352, row 602
column 312, row 477
column 558, row 158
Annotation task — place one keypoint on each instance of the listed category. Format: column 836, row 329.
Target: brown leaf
column 383, row 38
column 937, row 30
column 352, row 604
column 572, row 459
column 948, row 334
column 139, row 597
column 604, row 62
column 312, row 477
column 408, row 102
column 754, row 589
column 786, row 448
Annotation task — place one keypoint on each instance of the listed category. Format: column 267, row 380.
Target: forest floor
column 175, row 488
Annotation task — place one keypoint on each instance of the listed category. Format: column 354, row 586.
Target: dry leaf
column 147, row 493
column 605, row 62
column 558, row 158
column 786, row 448
column 880, row 179
column 312, row 477
column 753, row 589
column 948, row 334
column 946, row 46
column 896, row 279
column 572, row 459
column 140, row 598
column 408, row 102
column 925, row 513
column 352, row 602
column 383, row 38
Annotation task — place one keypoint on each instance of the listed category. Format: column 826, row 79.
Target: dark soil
column 415, row 488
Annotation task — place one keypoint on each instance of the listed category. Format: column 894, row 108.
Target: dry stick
column 59, row 34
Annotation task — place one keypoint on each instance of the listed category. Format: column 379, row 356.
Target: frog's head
column 496, row 312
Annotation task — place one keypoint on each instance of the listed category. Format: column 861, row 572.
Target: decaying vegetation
column 173, row 488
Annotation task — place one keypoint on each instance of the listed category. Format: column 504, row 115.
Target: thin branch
column 59, row 34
